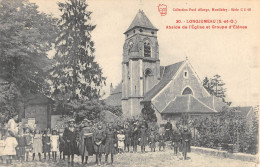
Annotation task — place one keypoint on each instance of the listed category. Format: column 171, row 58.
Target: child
column 110, row 143
column 28, row 141
column 20, row 149
column 127, row 137
column 37, row 144
column 161, row 141
column 46, row 142
column 9, row 150
column 61, row 145
column 121, row 140
column 54, row 144
column 152, row 140
column 176, row 141
column 143, row 138
column 99, row 137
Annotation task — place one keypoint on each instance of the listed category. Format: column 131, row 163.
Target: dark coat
column 20, row 149
column 161, row 140
column 135, row 135
column 143, row 136
column 86, row 142
column 99, row 138
column 70, row 147
column 110, row 141
column 46, row 142
column 128, row 136
column 176, row 140
column 186, row 137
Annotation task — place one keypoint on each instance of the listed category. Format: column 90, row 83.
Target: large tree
column 215, row 86
column 26, row 35
column 76, row 76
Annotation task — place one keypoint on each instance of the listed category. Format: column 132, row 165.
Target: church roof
column 187, row 104
column 167, row 74
column 213, row 102
column 114, row 99
column 141, row 20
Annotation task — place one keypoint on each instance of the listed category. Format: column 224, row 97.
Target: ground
column 148, row 159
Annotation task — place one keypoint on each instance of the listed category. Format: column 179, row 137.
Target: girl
column 20, row 149
column 143, row 138
column 37, row 144
column 9, row 150
column 28, row 141
column 121, row 140
column 99, row 137
column 152, row 140
column 61, row 145
column 127, row 137
column 176, row 141
column 46, row 142
column 54, row 144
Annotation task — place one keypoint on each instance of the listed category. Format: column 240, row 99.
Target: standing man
column 70, row 136
column 86, row 147
column 186, row 137
column 168, row 130
column 135, row 136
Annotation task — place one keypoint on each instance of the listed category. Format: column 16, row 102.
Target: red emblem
column 162, row 9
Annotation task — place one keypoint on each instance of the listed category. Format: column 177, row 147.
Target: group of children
column 19, row 146
column 106, row 139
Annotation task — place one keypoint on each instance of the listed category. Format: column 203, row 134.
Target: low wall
column 225, row 154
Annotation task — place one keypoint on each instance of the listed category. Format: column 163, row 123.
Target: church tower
column 141, row 64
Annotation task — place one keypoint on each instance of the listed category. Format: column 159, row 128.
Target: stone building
column 171, row 90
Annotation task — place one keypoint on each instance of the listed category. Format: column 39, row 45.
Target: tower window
column 147, row 49
column 152, row 32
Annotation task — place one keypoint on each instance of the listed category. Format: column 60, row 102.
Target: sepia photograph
column 142, row 83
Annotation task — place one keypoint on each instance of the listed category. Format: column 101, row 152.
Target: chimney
column 111, row 88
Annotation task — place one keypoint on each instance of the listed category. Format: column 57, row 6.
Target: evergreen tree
column 76, row 76
column 216, row 87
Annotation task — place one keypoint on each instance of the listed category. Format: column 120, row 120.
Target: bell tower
column 141, row 64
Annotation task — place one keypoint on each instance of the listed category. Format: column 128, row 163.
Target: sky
column 233, row 54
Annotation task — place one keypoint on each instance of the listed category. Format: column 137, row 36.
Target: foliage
column 222, row 130
column 76, row 76
column 148, row 113
column 117, row 110
column 26, row 37
column 215, row 87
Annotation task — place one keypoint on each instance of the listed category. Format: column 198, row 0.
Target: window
column 185, row 74
column 147, row 49
column 141, row 30
column 130, row 45
column 187, row 91
column 152, row 32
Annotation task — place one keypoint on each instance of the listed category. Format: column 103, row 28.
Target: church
column 170, row 90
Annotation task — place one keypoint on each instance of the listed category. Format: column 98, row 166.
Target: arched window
column 187, row 91
column 130, row 46
column 147, row 49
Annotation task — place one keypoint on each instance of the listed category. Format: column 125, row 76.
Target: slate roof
column 141, row 20
column 167, row 74
column 114, row 99
column 243, row 110
column 213, row 102
column 187, row 104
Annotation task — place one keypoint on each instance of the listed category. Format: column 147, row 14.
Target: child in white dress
column 121, row 141
column 54, row 144
column 9, row 149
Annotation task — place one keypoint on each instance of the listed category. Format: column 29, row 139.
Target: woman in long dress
column 70, row 136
